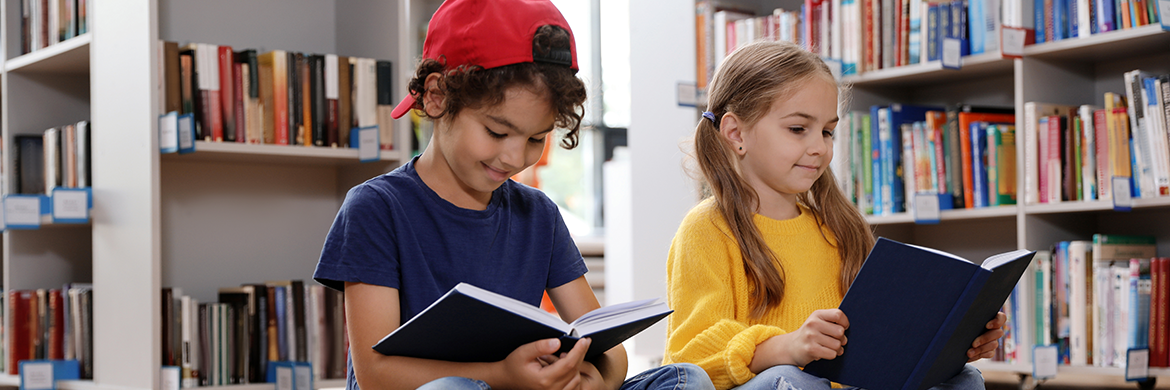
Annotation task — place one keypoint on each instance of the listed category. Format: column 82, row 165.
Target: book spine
column 967, row 160
column 227, row 92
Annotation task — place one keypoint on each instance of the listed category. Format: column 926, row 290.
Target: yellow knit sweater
column 710, row 293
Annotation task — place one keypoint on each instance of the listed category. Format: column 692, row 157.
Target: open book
column 470, row 324
column 914, row 312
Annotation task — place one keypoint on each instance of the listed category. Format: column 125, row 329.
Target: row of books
column 863, row 35
column 59, row 157
column 1064, row 19
column 45, row 22
column 233, row 340
column 866, row 35
column 278, row 97
column 50, row 324
column 1075, row 153
column 1094, row 300
column 965, row 155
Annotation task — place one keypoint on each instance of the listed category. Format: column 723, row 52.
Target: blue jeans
column 793, row 378
column 669, row 377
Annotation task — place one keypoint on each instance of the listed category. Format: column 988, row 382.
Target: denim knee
column 785, row 377
column 970, row 378
column 678, row 376
column 456, row 383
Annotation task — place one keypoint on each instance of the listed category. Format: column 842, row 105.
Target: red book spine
column 871, row 52
column 226, row 93
column 1053, row 156
column 21, row 344
column 1161, row 340
column 331, row 129
column 897, row 32
column 56, row 325
column 940, row 159
column 238, row 98
column 1104, row 173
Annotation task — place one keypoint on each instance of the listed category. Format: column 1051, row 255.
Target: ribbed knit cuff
column 741, row 349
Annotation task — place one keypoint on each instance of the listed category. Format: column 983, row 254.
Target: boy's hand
column 985, row 345
column 524, row 368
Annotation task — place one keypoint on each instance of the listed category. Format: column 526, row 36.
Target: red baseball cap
column 489, row 34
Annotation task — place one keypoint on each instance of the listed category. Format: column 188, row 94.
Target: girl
column 496, row 77
column 756, row 271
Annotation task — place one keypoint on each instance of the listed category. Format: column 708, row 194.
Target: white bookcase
column 1073, row 72
column 224, row 215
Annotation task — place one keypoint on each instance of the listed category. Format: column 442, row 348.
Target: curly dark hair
column 471, row 86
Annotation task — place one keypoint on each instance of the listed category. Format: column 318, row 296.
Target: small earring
column 741, row 148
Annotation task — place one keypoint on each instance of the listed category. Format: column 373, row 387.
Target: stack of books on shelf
column 45, row 22
column 1094, row 300
column 1077, row 153
column 869, row 35
column 278, row 97
column 234, row 340
column 50, row 324
column 57, row 158
column 965, row 155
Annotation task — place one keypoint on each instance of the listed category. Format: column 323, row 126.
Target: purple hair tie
column 711, row 117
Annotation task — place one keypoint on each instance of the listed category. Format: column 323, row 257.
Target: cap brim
column 403, row 107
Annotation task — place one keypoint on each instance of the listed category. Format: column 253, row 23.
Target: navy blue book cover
column 461, row 328
column 913, row 313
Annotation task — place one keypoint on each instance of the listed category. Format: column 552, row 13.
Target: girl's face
column 790, row 147
column 486, row 146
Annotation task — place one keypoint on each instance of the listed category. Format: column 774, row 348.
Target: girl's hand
column 525, row 368
column 821, row 337
column 985, row 345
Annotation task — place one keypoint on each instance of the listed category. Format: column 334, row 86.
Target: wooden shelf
column 68, row 57
column 973, row 66
column 1141, row 41
column 275, row 154
column 9, row 380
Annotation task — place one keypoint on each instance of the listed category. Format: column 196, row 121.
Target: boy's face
column 486, row 146
column 789, row 148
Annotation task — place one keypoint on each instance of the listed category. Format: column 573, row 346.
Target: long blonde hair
column 747, row 83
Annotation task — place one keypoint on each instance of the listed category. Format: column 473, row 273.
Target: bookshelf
column 224, row 215
column 1071, row 71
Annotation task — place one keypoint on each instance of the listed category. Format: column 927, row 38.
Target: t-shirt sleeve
column 361, row 245
column 567, row 264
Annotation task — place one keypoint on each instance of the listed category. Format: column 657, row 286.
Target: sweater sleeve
column 704, row 328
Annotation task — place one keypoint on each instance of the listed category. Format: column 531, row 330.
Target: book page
column 932, row 250
column 507, row 303
column 612, row 316
column 1003, row 258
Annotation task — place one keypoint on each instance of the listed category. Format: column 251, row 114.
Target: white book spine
column 52, row 151
column 1078, row 332
column 1089, row 153
column 837, row 24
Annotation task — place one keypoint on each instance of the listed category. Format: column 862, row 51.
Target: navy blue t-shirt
column 394, row 231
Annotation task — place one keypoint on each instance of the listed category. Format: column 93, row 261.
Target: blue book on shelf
column 950, row 300
column 1038, row 13
column 1058, row 19
column 978, row 29
column 876, row 142
column 979, row 163
column 959, row 19
column 281, row 322
column 1073, row 17
column 932, row 31
column 899, row 114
